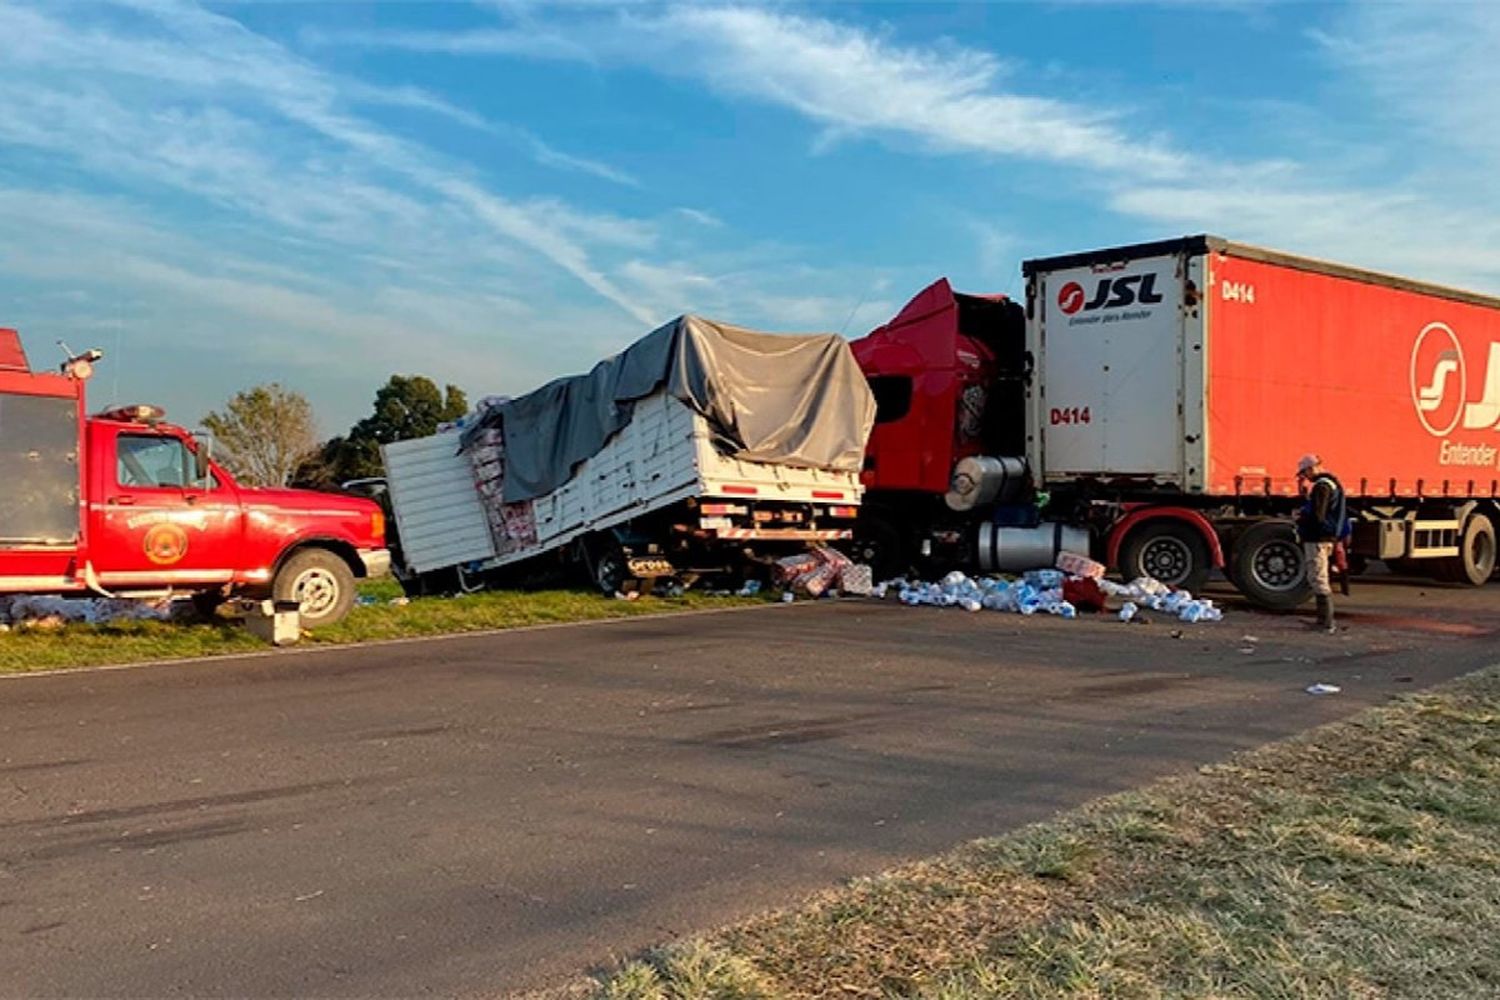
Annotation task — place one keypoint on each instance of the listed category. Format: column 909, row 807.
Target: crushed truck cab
column 124, row 504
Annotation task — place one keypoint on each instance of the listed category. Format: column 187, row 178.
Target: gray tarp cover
column 791, row 400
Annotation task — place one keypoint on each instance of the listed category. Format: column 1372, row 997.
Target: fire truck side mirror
column 202, row 473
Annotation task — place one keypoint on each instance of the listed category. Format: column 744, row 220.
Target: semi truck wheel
column 1169, row 551
column 1476, row 559
column 1267, row 566
column 320, row 582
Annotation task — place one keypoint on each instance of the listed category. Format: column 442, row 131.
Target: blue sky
column 496, row 193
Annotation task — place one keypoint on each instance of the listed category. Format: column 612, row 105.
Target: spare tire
column 1267, row 566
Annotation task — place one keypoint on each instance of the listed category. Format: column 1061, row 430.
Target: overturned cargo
column 696, row 447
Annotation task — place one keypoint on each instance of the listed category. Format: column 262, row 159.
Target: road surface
column 498, row 813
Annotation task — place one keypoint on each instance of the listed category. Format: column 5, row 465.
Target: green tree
column 406, row 407
column 263, row 434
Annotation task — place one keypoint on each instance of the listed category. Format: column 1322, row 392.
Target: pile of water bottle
column 1041, row 590
column 1157, row 596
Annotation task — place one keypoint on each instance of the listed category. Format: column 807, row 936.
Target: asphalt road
column 488, row 814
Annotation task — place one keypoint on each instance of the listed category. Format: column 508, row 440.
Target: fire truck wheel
column 1169, row 551
column 321, row 582
column 1267, row 566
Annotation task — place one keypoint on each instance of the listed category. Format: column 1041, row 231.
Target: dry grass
column 1361, row 860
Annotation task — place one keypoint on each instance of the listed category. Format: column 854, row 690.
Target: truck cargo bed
column 664, row 455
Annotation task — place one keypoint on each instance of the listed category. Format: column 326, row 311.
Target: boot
column 1325, row 615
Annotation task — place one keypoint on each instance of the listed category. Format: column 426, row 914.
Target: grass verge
column 1359, row 860
column 80, row 645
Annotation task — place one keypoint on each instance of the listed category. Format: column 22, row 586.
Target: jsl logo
column 1440, row 384
column 1111, row 293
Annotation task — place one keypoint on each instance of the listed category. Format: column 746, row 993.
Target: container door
column 1108, row 339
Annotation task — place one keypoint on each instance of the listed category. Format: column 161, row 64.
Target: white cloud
column 702, row 218
column 279, row 140
column 1432, row 66
column 1424, row 77
column 1429, row 67
column 849, row 80
column 529, row 42
column 549, row 156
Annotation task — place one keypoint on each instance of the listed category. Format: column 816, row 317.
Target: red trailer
column 1167, row 390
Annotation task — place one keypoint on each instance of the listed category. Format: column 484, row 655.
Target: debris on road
column 822, row 572
column 1051, row 591
column 1323, row 689
column 1079, row 565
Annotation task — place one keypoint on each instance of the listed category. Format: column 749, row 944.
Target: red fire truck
column 1149, row 403
column 124, row 504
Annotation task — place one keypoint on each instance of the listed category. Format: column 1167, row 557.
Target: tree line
column 267, row 435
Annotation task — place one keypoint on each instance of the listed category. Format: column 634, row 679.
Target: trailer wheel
column 1169, row 551
column 1267, row 566
column 320, row 582
column 1476, row 559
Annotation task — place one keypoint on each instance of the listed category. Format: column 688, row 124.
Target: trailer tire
column 1476, row 559
column 1267, row 566
column 320, row 581
column 1167, row 550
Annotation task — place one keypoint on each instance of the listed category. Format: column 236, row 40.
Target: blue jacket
column 1324, row 517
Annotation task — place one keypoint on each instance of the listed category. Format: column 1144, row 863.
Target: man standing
column 1319, row 526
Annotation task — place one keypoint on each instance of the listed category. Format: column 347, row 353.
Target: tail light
column 843, row 511
column 377, row 526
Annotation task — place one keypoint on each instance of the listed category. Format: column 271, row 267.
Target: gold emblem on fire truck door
column 165, row 544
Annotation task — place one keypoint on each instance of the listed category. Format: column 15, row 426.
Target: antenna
column 847, row 319
column 114, row 386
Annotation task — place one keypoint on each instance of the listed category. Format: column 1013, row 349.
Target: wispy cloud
column 1426, row 80
column 265, row 144
column 702, row 218
column 850, row 80
column 1431, row 66
column 549, row 156
column 530, row 41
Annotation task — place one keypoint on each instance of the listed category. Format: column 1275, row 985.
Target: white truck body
column 665, row 455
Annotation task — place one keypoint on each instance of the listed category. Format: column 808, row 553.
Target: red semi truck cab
column 124, row 504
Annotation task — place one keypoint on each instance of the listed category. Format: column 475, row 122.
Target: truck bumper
column 377, row 561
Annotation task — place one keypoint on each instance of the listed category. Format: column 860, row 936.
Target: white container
column 276, row 622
